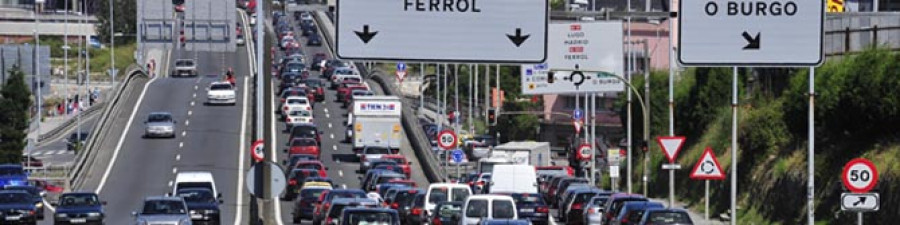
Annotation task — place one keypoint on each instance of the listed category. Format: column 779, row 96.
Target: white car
column 298, row 117
column 295, row 103
column 220, row 93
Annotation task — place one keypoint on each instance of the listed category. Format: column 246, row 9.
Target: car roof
column 379, row 210
column 451, row 185
column 163, row 198
column 490, row 197
column 194, row 176
column 346, row 201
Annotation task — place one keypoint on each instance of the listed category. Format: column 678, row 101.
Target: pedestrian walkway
column 51, row 152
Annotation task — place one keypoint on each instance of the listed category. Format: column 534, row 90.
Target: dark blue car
column 17, row 207
column 12, row 174
column 532, row 207
column 79, row 208
column 37, row 197
column 202, row 205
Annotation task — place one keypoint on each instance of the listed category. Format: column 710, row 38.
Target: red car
column 308, row 146
column 312, row 165
column 345, row 93
column 401, row 161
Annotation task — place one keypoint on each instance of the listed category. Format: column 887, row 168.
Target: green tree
column 16, row 101
column 125, row 19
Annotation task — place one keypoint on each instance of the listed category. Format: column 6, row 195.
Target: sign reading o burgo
column 859, row 175
column 257, row 150
column 447, row 139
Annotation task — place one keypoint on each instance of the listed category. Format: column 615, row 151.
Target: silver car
column 160, row 124
column 163, row 210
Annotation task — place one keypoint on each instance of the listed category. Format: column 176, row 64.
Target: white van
column 445, row 192
column 478, row 207
column 514, row 179
column 195, row 179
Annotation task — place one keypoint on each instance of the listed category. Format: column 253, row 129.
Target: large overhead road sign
column 751, row 33
column 495, row 31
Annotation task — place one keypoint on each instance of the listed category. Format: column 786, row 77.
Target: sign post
column 401, row 71
column 671, row 145
column 257, row 151
column 707, row 168
column 859, row 177
column 508, row 31
column 457, row 155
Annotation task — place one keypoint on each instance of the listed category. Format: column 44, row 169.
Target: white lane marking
column 340, row 173
column 187, row 122
column 171, row 183
column 178, row 157
column 181, row 144
column 327, row 116
column 190, row 112
column 334, row 147
column 195, row 95
column 47, row 204
column 196, row 87
column 115, row 155
column 240, row 176
column 326, row 110
column 343, row 186
column 184, row 133
column 329, row 125
column 332, row 136
column 192, row 103
column 174, row 170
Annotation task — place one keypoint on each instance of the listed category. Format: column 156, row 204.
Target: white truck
column 375, row 121
column 524, row 153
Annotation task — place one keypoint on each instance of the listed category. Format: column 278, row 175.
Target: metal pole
column 734, row 145
column 706, row 200
column 66, row 58
column 487, row 92
column 859, row 218
column 37, row 75
column 499, row 100
column 593, row 139
column 80, row 80
column 456, row 110
column 437, row 95
column 647, row 114
column 628, row 72
column 811, row 188
column 112, row 44
column 475, row 90
column 470, row 98
column 422, row 94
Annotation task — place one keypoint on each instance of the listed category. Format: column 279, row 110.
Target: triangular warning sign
column 670, row 146
column 708, row 167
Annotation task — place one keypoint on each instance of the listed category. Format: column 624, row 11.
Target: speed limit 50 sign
column 860, row 175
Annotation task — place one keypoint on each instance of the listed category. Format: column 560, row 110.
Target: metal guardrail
column 98, row 133
column 417, row 138
column 55, row 132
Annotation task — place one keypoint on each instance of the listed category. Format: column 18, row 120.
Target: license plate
column 78, row 220
column 13, row 218
column 528, row 210
column 196, row 216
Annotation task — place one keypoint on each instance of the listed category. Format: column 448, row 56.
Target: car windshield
column 296, row 101
column 352, row 80
column 153, row 118
column 78, row 200
column 502, row 209
column 15, row 198
column 216, row 87
column 196, row 195
column 11, row 171
column 184, row 63
column 371, row 218
column 377, row 150
column 669, row 218
column 310, row 166
column 311, row 193
column 447, row 211
column 294, row 66
column 157, row 207
column 477, row 208
column 303, row 142
column 460, row 194
column 313, row 83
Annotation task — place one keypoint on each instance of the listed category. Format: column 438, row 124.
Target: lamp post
column 112, row 45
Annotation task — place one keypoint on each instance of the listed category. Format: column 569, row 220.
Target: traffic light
column 550, row 77
column 492, row 117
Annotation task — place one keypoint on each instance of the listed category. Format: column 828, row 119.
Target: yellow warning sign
column 835, row 6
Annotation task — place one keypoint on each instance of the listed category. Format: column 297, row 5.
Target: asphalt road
column 54, row 153
column 330, row 118
column 208, row 139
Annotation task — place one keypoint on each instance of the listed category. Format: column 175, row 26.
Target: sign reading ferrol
column 483, row 31
column 751, row 33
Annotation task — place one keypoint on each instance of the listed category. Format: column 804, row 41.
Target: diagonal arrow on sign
column 708, row 167
column 671, row 145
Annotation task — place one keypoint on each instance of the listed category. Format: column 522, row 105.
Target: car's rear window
column 527, row 199
column 311, row 166
column 296, row 101
column 669, row 218
column 371, row 218
column 184, row 63
column 159, row 118
column 438, row 194
column 220, row 87
column 311, row 192
column 502, row 209
column 377, row 150
column 460, row 194
column 397, row 160
column 477, row 208
column 447, row 211
column 303, row 142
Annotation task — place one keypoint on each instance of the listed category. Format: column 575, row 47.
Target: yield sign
column 708, row 167
column 671, row 145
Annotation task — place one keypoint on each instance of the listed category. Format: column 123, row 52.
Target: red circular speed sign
column 447, row 139
column 584, row 152
column 859, row 175
column 257, row 151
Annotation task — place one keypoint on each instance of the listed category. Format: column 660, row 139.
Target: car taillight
column 480, row 183
column 395, row 205
column 285, row 108
column 576, row 206
column 292, row 182
column 308, row 108
column 542, row 209
column 328, row 221
column 436, row 221
column 570, row 171
column 417, row 211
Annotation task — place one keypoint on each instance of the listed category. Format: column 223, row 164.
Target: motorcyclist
column 229, row 76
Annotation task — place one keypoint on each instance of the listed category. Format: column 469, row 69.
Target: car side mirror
column 221, row 201
column 360, row 178
column 219, row 196
column 103, row 203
